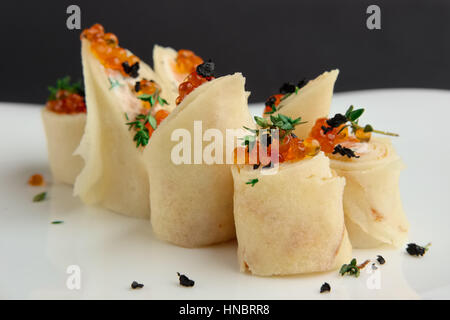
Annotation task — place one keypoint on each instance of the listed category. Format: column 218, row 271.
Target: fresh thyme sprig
column 278, row 122
column 40, row 197
column 114, row 83
column 281, row 122
column 153, row 98
column 142, row 135
column 352, row 116
column 351, row 269
column 64, row 84
column 252, row 181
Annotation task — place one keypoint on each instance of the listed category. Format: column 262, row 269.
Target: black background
column 268, row 41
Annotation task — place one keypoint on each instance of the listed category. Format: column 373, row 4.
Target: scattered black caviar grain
column 256, row 166
column 325, row 288
column 185, row 281
column 136, row 285
column 131, row 70
column 326, row 129
column 271, row 101
column 206, row 69
column 265, row 140
column 301, row 83
column 337, row 120
column 416, row 250
column 381, row 260
column 268, row 166
column 137, row 86
column 374, row 267
column 287, row 88
column 343, row 151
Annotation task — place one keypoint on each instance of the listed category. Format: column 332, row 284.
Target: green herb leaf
column 355, row 114
column 40, row 197
column 349, row 110
column 142, row 135
column 152, row 121
column 141, row 138
column 162, row 101
column 351, row 269
column 57, row 222
column 261, row 122
column 252, row 181
column 114, row 83
column 64, row 84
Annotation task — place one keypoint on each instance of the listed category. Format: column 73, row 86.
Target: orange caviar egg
column 36, row 180
column 147, row 87
column 187, row 61
column 291, row 149
column 330, row 137
column 93, row 32
column 67, row 102
column 275, row 100
column 159, row 116
column 192, row 81
column 106, row 48
column 111, row 39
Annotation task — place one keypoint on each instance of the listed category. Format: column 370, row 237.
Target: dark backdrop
column 268, row 41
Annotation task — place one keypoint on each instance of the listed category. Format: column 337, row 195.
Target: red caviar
column 330, row 137
column 187, row 61
column 67, row 102
column 106, row 48
column 291, row 149
column 147, row 87
column 192, row 81
column 36, row 180
column 159, row 116
column 276, row 98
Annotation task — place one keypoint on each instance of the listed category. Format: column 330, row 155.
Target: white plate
column 112, row 250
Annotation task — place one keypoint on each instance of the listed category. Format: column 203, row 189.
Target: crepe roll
column 290, row 222
column 310, row 100
column 123, row 96
column 372, row 203
column 373, row 208
column 64, row 118
column 173, row 67
column 192, row 200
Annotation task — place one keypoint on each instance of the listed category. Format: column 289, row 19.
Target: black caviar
column 185, row 281
column 343, row 151
column 136, row 285
column 381, row 260
column 206, row 69
column 416, row 250
column 325, row 287
column 132, row 71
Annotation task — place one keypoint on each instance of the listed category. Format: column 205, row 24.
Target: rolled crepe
column 63, row 132
column 114, row 175
column 163, row 62
column 290, row 222
column 192, row 204
column 372, row 205
column 311, row 102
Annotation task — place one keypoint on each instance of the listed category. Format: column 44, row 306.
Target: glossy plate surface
column 112, row 251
